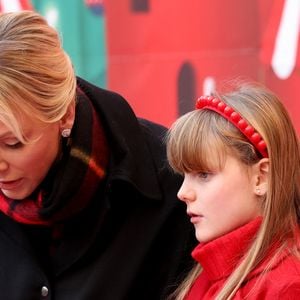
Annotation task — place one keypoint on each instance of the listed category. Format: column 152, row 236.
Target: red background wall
column 160, row 53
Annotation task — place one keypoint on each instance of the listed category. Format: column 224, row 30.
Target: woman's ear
column 261, row 177
column 67, row 121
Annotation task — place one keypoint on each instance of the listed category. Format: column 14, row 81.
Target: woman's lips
column 10, row 184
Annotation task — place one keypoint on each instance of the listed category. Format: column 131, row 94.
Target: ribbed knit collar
column 219, row 257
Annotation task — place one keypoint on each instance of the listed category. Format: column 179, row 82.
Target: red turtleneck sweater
column 218, row 259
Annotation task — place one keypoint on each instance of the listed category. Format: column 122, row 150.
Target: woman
column 239, row 155
column 88, row 207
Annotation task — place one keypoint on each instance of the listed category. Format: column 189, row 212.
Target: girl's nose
column 186, row 193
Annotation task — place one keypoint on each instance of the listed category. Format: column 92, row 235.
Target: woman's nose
column 3, row 165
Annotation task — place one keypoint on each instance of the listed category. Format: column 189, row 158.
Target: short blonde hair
column 36, row 75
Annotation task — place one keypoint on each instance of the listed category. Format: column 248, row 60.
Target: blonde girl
column 239, row 154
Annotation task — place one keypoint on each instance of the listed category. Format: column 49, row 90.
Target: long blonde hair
column 194, row 136
column 36, row 75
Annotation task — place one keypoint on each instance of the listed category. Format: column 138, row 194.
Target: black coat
column 131, row 244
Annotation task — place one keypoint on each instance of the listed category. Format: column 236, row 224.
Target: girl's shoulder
column 276, row 278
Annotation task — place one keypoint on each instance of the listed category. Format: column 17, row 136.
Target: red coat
column 219, row 257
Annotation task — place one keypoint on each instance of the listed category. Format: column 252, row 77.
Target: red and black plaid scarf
column 71, row 184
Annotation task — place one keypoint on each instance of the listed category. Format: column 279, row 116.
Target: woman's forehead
column 20, row 124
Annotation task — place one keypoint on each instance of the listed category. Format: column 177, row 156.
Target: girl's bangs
column 195, row 143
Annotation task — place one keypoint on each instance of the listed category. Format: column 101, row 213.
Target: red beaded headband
column 233, row 117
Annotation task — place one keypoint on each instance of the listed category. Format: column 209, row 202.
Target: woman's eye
column 14, row 145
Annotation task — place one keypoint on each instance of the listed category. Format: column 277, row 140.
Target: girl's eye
column 203, row 175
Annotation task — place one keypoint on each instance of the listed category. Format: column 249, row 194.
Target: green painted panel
column 83, row 35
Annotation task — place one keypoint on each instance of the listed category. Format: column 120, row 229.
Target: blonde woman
column 88, row 206
column 239, row 155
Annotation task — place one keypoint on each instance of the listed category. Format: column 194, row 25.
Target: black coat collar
column 131, row 159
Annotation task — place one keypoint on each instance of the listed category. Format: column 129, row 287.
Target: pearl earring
column 66, row 132
column 258, row 191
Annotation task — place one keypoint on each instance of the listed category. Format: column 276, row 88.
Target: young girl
column 239, row 155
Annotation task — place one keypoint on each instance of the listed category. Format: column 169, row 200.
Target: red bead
column 261, row 145
column 249, row 130
column 255, row 137
column 228, row 111
column 215, row 102
column 242, row 124
column 221, row 106
column 200, row 103
column 235, row 117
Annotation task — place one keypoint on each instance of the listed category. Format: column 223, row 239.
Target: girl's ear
column 67, row 121
column 261, row 177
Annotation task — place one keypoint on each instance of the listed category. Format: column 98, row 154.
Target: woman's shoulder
column 101, row 96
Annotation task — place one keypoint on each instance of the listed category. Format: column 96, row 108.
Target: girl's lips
column 195, row 218
column 10, row 185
